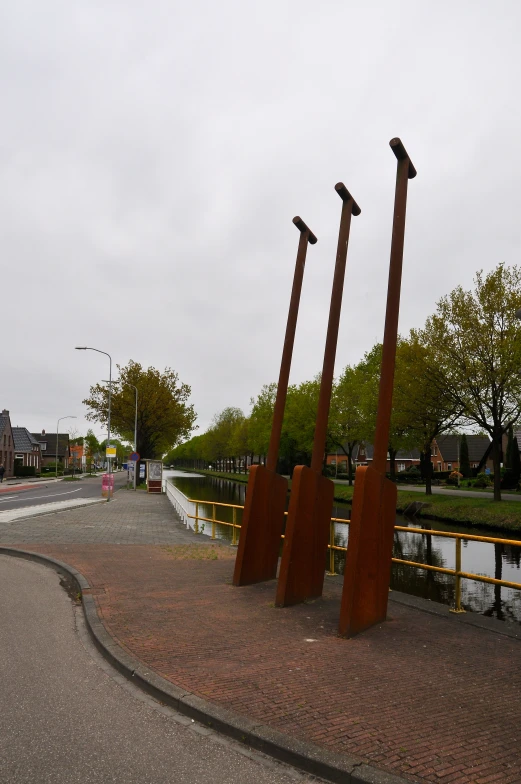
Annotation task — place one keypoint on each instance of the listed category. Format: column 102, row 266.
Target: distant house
column 363, row 455
column 6, row 443
column 445, row 452
column 444, row 455
column 47, row 443
column 26, row 448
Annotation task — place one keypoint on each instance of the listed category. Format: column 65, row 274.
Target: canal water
column 492, row 560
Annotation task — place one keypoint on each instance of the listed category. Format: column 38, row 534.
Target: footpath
column 425, row 697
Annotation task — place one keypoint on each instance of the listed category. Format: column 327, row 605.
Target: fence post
column 213, row 521
column 457, row 598
column 196, row 517
column 234, row 531
column 331, row 551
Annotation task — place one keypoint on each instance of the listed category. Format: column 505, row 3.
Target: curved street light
column 89, row 348
column 71, row 416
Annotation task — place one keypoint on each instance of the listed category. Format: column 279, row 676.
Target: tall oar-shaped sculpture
column 305, row 544
column 263, row 517
column 368, row 565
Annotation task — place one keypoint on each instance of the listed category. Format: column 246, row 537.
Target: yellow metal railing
column 457, row 572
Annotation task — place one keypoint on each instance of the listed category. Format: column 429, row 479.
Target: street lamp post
column 71, row 416
column 135, row 433
column 89, row 348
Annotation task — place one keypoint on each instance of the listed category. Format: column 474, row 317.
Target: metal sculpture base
column 367, row 573
column 261, row 528
column 303, row 562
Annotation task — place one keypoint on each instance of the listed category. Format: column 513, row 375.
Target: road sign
column 134, row 456
column 110, row 451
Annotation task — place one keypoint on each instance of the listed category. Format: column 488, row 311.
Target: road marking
column 51, row 495
column 9, row 498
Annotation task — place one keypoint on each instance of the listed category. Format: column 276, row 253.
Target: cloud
column 153, row 156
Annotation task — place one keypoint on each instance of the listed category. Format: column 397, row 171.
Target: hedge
column 21, row 470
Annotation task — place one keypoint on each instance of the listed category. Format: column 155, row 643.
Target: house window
column 43, row 445
column 434, row 450
column 439, row 466
column 449, row 466
column 333, row 462
column 18, row 457
column 400, row 466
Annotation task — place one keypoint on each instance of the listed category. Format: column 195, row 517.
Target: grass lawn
column 480, row 511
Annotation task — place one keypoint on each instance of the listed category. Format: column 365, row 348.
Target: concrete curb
column 306, row 757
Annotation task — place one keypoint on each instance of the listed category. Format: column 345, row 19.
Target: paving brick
column 421, row 695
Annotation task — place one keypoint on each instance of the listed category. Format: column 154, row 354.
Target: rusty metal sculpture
column 263, row 517
column 368, row 564
column 305, row 544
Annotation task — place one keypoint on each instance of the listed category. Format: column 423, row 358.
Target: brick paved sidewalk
column 422, row 696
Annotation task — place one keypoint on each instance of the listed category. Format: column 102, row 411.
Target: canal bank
column 496, row 561
column 478, row 511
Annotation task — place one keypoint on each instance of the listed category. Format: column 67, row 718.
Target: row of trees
column 462, row 369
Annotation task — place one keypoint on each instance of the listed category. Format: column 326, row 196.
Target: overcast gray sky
column 154, row 154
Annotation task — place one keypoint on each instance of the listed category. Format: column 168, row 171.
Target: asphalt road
column 46, row 492
column 68, row 718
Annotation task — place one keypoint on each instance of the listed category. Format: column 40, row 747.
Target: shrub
column 21, row 470
column 481, row 481
column 509, row 480
column 453, row 478
column 51, row 468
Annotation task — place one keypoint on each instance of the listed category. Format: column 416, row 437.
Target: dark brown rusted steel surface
column 307, row 534
column 368, row 563
column 263, row 517
column 306, row 235
column 307, row 529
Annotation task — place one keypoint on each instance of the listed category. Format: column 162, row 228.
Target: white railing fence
column 180, row 502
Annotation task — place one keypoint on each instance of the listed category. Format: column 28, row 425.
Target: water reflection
column 492, row 560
